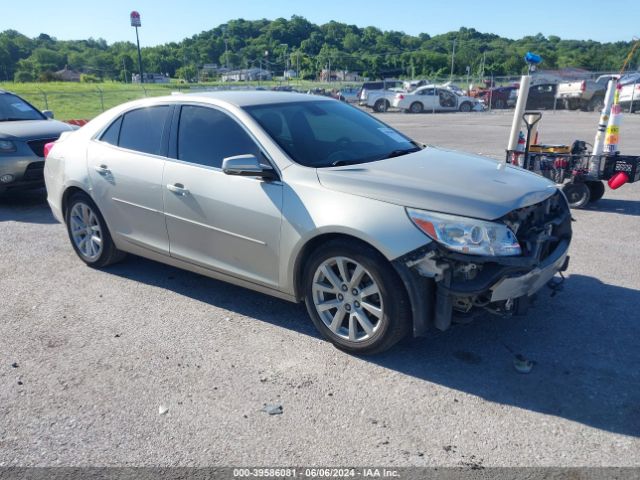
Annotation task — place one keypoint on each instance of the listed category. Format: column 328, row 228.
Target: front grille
column 541, row 227
column 38, row 145
column 34, row 171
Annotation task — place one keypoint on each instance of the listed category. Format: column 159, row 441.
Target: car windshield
column 329, row 133
column 13, row 108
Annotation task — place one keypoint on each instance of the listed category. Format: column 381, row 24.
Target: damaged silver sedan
column 312, row 200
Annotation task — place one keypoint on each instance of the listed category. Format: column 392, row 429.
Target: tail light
column 399, row 96
column 47, row 148
column 583, row 86
column 638, row 86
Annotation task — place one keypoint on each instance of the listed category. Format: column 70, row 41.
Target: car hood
column 443, row 181
column 32, row 129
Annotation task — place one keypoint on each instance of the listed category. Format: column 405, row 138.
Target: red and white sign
column 135, row 19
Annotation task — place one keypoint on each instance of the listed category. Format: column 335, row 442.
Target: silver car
column 310, row 199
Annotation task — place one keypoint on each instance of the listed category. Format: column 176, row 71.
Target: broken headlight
column 467, row 235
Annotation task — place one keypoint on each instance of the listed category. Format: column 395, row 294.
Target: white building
column 246, row 74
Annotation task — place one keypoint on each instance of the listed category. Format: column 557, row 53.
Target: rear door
column 426, row 96
column 226, row 223
column 125, row 166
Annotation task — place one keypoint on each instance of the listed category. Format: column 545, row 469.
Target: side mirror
column 48, row 114
column 247, row 166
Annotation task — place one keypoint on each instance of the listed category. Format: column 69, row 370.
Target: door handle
column 102, row 170
column 178, row 189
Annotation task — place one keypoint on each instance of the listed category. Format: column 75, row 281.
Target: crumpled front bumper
column 529, row 283
column 442, row 283
column 508, row 281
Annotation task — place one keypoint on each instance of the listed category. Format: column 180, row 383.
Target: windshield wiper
column 398, row 153
column 14, row 119
column 341, row 163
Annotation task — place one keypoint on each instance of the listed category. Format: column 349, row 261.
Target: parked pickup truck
column 379, row 100
column 585, row 95
column 630, row 92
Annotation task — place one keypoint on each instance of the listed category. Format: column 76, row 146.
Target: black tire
column 596, row 104
column 577, row 193
column 596, row 190
column 109, row 253
column 395, row 321
column 381, row 106
column 465, row 107
column 416, row 107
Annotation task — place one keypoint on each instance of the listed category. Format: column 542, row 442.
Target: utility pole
column 453, row 56
column 135, row 22
column 226, row 53
column 124, row 67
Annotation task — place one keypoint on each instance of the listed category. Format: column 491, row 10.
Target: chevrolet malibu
column 309, row 199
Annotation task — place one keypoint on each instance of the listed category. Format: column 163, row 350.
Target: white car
column 434, row 99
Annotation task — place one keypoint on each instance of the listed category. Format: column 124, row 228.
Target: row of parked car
column 419, row 96
column 415, row 97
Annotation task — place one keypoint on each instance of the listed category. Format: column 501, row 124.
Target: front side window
column 142, row 129
column 206, row 136
column 329, row 133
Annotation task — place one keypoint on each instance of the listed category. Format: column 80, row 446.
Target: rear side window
column 142, row 129
column 373, row 86
column 112, row 133
column 206, row 136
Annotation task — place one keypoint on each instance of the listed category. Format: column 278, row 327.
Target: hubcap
column 347, row 299
column 85, row 231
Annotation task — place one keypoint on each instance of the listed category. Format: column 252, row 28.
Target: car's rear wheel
column 596, row 104
column 416, row 107
column 88, row 232
column 465, row 107
column 353, row 298
column 381, row 106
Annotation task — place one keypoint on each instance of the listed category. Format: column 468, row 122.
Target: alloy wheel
column 347, row 299
column 85, row 231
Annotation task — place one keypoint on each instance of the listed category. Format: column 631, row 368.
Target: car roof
column 246, row 98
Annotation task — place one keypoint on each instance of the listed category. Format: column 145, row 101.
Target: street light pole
column 135, row 22
column 453, row 56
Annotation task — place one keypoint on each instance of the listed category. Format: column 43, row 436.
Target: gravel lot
column 88, row 357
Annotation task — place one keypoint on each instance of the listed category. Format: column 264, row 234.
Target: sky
column 170, row 20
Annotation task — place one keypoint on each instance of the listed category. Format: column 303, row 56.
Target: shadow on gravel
column 220, row 294
column 623, row 207
column 29, row 206
column 584, row 343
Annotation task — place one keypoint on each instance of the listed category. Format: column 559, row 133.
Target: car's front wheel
column 355, row 298
column 466, row 107
column 88, row 232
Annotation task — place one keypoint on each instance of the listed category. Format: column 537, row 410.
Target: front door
column 447, row 100
column 125, row 168
column 227, row 223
